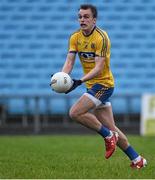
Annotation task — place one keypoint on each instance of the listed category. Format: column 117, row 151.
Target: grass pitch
column 70, row 157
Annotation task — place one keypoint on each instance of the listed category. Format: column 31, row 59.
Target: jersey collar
column 90, row 32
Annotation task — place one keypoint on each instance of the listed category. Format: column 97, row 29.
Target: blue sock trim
column 104, row 132
column 131, row 153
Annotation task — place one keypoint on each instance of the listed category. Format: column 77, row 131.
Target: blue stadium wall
column 34, row 40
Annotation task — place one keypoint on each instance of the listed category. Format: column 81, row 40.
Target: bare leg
column 80, row 113
column 105, row 116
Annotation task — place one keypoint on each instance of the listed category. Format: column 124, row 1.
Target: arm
column 99, row 65
column 68, row 66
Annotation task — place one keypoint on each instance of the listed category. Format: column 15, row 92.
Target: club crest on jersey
column 93, row 45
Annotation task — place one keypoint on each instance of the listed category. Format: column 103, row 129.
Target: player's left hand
column 76, row 83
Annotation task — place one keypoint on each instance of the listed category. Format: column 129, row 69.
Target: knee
column 73, row 114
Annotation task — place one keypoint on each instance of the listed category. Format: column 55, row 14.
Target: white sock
column 136, row 159
column 110, row 135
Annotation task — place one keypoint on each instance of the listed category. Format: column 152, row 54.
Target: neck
column 88, row 32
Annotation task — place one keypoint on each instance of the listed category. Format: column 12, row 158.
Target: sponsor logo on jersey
column 87, row 55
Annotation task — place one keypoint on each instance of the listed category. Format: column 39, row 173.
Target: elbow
column 99, row 71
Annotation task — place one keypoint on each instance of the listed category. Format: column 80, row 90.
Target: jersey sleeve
column 72, row 48
column 102, row 45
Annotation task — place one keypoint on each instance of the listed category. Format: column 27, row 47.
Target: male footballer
column 93, row 47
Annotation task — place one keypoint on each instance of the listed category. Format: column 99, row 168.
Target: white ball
column 61, row 82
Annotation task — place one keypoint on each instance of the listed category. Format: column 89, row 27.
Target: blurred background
column 33, row 45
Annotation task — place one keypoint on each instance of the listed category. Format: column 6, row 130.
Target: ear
column 94, row 20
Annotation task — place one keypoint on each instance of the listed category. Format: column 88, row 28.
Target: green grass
column 64, row 157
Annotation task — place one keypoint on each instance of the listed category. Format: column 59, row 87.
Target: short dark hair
column 91, row 7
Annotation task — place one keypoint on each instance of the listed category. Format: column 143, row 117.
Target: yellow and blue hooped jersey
column 87, row 47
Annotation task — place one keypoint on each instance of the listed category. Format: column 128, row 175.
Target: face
column 86, row 20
